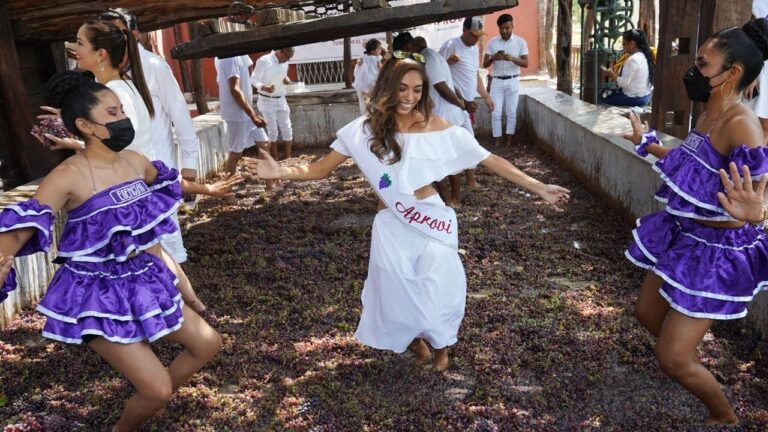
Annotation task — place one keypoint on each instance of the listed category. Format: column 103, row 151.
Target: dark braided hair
column 747, row 45
column 116, row 42
column 75, row 93
column 638, row 37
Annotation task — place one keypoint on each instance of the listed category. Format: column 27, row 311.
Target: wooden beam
column 335, row 27
column 59, row 20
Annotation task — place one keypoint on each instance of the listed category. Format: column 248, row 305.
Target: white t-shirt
column 135, row 109
column 515, row 46
column 633, row 76
column 367, row 73
column 270, row 72
column 438, row 71
column 171, row 113
column 464, row 71
column 759, row 104
column 226, row 69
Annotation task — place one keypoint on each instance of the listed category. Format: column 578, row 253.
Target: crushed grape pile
column 548, row 342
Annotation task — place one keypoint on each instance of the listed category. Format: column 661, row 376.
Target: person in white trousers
column 269, row 78
column 507, row 53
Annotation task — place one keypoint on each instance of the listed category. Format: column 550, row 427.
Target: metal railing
column 327, row 72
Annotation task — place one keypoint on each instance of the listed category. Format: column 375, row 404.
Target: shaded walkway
column 548, row 342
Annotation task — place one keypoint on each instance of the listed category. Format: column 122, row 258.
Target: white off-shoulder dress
column 416, row 287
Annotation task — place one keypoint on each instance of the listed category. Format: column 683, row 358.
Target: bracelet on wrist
column 648, row 138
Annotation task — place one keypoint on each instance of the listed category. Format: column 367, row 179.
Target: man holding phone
column 507, row 53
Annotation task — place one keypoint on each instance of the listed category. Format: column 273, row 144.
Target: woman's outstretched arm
column 268, row 168
column 554, row 195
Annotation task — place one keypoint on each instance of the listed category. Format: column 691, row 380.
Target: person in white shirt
column 463, row 57
column 756, row 94
column 507, row 53
column 244, row 127
column 636, row 75
column 269, row 77
column 447, row 104
column 366, row 72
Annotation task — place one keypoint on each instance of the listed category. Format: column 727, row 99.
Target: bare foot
column 441, row 359
column 421, row 350
column 453, row 203
column 729, row 420
column 474, row 185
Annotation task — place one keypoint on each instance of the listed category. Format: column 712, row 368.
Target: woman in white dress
column 416, row 288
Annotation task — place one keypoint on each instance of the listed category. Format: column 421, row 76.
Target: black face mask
column 121, row 134
column 697, row 85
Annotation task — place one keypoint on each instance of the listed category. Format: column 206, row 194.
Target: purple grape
column 53, row 127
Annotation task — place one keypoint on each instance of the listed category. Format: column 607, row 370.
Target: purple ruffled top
column 691, row 175
column 111, row 225
column 128, row 217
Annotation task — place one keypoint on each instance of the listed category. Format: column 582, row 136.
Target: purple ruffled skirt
column 708, row 272
column 124, row 302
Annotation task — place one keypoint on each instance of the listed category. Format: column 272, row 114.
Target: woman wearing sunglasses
column 416, row 288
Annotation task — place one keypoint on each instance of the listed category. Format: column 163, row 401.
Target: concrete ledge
column 586, row 140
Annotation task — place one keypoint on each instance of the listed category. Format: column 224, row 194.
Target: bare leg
column 184, row 286
column 288, row 147
column 231, row 165
column 202, row 343
column 497, row 140
column 273, row 150
column 510, row 140
column 441, row 359
column 455, row 182
column 265, row 145
column 442, row 190
column 651, row 308
column 139, row 365
column 471, row 181
column 421, row 350
column 675, row 351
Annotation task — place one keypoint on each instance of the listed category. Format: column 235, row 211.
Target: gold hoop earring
column 730, row 94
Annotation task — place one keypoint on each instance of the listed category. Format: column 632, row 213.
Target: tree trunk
column 185, row 80
column 647, row 20
column 563, row 49
column 542, row 22
column 197, row 78
column 549, row 59
column 347, row 63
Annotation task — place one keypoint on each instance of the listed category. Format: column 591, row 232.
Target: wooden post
column 23, row 157
column 197, row 77
column 185, row 80
column 347, row 63
column 683, row 28
column 390, row 39
column 550, row 24
column 647, row 20
column 563, row 51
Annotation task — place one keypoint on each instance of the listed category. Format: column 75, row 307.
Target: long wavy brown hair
column 383, row 104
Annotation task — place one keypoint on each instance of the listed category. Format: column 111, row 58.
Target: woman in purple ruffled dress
column 112, row 291
column 704, row 262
